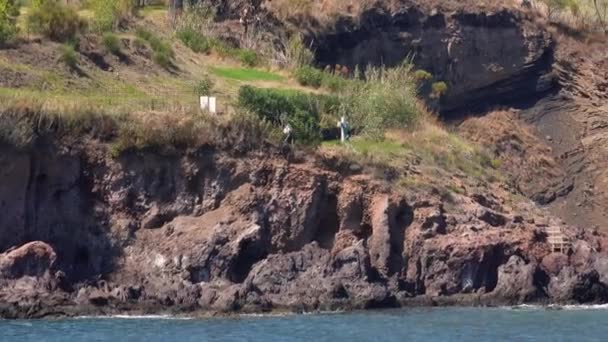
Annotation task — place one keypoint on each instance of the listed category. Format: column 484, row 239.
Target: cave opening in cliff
column 329, row 222
column 403, row 218
column 81, row 262
column 487, row 273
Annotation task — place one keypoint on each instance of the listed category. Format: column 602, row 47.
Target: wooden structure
column 557, row 240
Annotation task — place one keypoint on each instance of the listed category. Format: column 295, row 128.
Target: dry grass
column 429, row 156
column 522, row 154
column 24, row 122
column 327, row 10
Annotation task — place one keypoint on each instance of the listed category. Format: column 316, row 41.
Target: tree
column 8, row 19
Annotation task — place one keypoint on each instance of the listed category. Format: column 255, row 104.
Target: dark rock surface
column 300, row 238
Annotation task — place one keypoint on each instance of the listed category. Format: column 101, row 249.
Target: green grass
column 380, row 148
column 243, row 74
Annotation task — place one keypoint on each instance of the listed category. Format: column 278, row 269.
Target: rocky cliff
column 212, row 230
column 207, row 231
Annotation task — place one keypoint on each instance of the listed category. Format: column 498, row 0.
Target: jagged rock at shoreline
column 209, row 231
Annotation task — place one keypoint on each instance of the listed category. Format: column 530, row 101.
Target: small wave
column 558, row 307
column 290, row 314
column 581, row 307
column 165, row 317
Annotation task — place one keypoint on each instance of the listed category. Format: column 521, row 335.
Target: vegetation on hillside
column 8, row 19
column 55, row 21
column 585, row 15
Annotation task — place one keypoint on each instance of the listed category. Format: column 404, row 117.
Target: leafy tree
column 9, row 11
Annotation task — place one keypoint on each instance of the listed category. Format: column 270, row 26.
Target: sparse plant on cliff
column 422, row 75
column 204, row 86
column 439, row 89
column 111, row 43
column 69, row 55
column 163, row 53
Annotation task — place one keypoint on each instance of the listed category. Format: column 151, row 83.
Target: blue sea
column 421, row 324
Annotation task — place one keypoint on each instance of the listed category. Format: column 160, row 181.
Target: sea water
column 421, row 324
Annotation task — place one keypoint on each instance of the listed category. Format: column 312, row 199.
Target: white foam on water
column 558, row 307
column 584, row 307
column 167, row 317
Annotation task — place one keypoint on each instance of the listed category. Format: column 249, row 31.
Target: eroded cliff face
column 486, row 58
column 206, row 231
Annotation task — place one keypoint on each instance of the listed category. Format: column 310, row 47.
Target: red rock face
column 258, row 233
column 34, row 259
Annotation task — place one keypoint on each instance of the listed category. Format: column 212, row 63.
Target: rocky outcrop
column 210, row 232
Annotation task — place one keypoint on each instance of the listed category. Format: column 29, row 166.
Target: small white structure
column 287, row 131
column 344, row 129
column 209, row 103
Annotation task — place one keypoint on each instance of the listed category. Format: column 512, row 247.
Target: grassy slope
column 429, row 156
column 138, row 85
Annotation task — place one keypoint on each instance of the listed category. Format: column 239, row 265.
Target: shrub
column 8, row 31
column 143, row 34
column 249, row 58
column 110, row 13
column 194, row 40
column 112, row 43
column 55, row 21
column 386, row 99
column 163, row 53
column 204, row 86
column 297, row 53
column 279, row 107
column 439, row 89
column 69, row 55
column 334, row 83
column 309, row 76
column 8, row 18
column 162, row 59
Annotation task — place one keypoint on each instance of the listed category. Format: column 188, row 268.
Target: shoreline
column 139, row 311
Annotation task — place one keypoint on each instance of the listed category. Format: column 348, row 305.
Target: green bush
column 69, row 55
column 334, row 83
column 110, row 13
column 309, row 76
column 8, row 32
column 112, row 43
column 204, row 86
column 194, row 40
column 385, row 99
column 301, row 110
column 249, row 58
column 9, row 11
column 55, row 21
